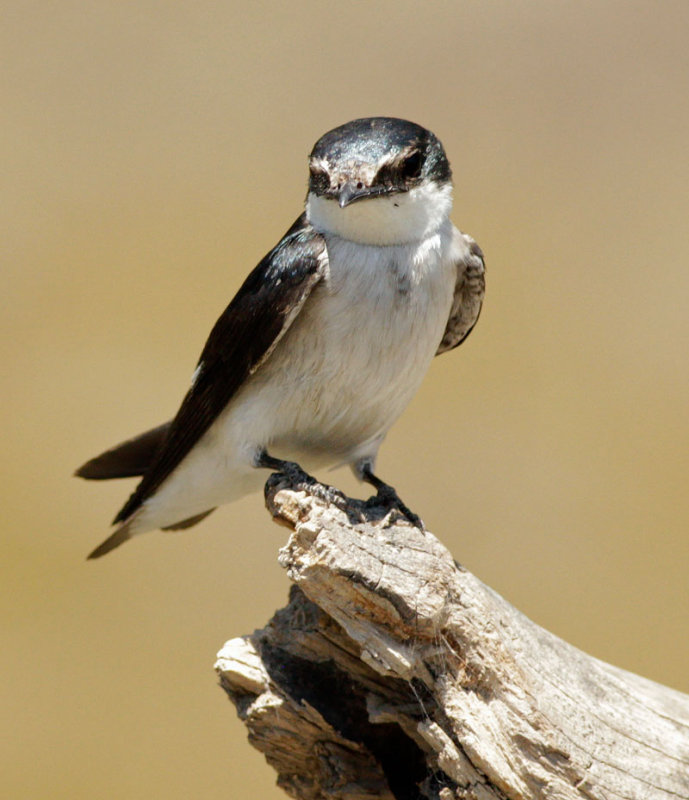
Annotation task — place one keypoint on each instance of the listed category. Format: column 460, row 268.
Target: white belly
column 336, row 382
column 355, row 356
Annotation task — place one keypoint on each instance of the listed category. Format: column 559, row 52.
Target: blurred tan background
column 151, row 154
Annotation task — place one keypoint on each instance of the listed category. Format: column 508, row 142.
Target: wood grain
column 395, row 673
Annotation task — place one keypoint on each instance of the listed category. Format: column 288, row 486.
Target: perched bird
column 326, row 341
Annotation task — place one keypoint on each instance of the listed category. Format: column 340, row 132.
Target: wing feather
column 469, row 291
column 241, row 340
column 125, row 460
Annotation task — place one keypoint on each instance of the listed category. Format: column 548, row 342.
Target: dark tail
column 120, row 536
column 129, row 459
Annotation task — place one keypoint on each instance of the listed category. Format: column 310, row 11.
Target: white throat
column 387, row 220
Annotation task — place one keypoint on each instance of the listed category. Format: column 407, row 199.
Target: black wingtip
column 120, row 536
column 84, row 471
column 129, row 459
column 107, row 466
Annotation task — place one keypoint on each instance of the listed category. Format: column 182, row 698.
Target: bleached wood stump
column 395, row 673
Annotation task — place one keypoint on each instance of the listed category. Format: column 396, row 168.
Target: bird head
column 379, row 180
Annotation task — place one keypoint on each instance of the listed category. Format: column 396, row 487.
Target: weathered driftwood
column 395, row 673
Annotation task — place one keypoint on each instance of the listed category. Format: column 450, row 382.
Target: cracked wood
column 395, row 673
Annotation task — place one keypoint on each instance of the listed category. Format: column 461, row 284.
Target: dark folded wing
column 126, row 460
column 469, row 291
column 243, row 337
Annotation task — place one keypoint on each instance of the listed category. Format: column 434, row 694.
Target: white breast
column 336, row 382
column 356, row 354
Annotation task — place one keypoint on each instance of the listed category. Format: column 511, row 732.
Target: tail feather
column 126, row 460
column 129, row 459
column 121, row 535
column 187, row 523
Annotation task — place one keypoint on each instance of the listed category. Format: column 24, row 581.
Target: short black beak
column 352, row 192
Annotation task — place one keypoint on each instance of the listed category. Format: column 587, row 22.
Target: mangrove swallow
column 326, row 341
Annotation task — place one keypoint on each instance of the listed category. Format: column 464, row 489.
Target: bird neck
column 396, row 219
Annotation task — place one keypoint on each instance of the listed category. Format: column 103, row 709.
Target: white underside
column 400, row 218
column 336, row 382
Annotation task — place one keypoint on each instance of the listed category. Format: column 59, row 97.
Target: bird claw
column 387, row 496
column 330, row 495
column 301, row 481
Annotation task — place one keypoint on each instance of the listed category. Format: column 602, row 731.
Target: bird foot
column 388, row 498
column 301, row 481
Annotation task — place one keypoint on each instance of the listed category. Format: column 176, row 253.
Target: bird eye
column 411, row 166
column 385, row 176
column 319, row 181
